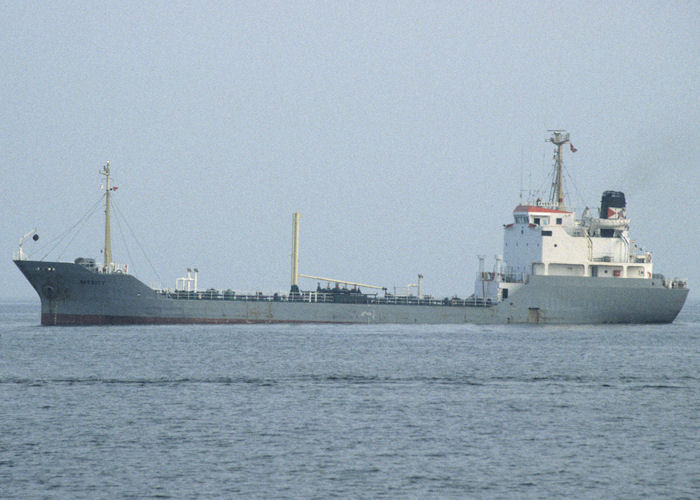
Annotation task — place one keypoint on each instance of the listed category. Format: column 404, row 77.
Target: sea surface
column 348, row 411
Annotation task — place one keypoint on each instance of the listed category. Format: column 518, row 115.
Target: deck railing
column 328, row 298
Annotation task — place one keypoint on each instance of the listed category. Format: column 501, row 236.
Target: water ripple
column 346, row 379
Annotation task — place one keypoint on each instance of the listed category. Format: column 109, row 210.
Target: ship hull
column 73, row 295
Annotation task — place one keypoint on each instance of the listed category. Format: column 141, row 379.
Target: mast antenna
column 108, row 236
column 556, row 197
column 521, row 175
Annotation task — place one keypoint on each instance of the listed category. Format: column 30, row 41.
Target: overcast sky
column 402, row 131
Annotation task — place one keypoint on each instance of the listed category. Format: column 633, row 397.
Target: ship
column 555, row 269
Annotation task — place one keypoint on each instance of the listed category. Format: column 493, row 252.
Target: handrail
column 329, row 298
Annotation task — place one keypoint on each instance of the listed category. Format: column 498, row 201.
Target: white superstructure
column 546, row 239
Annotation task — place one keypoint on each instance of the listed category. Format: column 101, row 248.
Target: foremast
column 108, row 234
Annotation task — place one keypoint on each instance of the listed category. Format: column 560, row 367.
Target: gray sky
column 400, row 130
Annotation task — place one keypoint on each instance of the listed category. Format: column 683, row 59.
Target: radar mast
column 556, row 197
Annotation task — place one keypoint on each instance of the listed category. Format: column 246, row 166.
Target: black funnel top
column 611, row 199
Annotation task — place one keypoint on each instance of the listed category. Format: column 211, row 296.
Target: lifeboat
column 615, row 224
